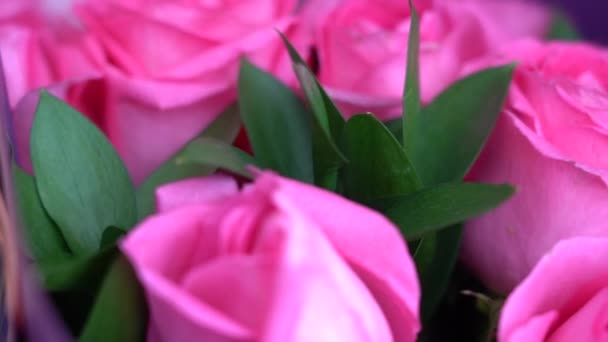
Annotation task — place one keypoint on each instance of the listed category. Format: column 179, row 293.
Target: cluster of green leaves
column 411, row 170
column 75, row 208
column 78, row 205
column 469, row 311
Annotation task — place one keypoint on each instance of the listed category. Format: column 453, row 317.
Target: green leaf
column 215, row 153
column 82, row 272
column 395, row 126
column 81, row 180
column 453, row 129
column 110, row 236
column 438, row 207
column 224, row 128
column 326, row 112
column 435, row 259
column 450, row 134
column 44, row 238
column 411, row 91
column 329, row 122
column 562, row 28
column 277, row 124
column 120, row 312
column 378, row 167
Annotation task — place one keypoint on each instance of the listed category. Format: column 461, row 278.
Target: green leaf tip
column 411, row 91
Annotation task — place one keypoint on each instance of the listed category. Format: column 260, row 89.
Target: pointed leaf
column 438, row 207
column 83, row 273
column 435, row 259
column 450, row 134
column 110, row 236
column 329, row 121
column 378, row 167
column 277, row 124
column 411, row 91
column 453, row 129
column 224, row 128
column 119, row 312
column 81, row 180
column 395, row 126
column 217, row 154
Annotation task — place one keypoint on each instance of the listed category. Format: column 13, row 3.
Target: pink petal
column 567, row 128
column 590, row 323
column 192, row 191
column 372, row 246
column 240, row 286
column 147, row 130
column 317, row 297
column 536, row 329
column 248, row 250
column 548, row 288
column 555, row 200
column 178, row 316
column 190, row 235
column 508, row 20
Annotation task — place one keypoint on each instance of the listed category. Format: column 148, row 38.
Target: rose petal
column 544, row 210
column 548, row 288
column 590, row 323
column 192, row 191
column 178, row 316
column 239, row 286
column 298, row 285
column 358, row 234
column 137, row 125
column 535, row 329
column 194, row 243
column 317, row 296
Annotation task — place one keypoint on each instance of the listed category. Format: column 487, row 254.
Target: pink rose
column 175, row 65
column 43, row 46
column 565, row 297
column 362, row 46
column 278, row 261
column 551, row 142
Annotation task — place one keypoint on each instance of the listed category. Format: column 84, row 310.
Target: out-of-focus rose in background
column 362, row 45
column 43, row 45
column 158, row 101
column 150, row 74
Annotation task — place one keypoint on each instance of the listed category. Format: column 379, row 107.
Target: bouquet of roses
column 322, row 170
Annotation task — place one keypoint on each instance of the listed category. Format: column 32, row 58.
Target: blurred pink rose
column 565, row 297
column 175, row 65
column 551, row 142
column 150, row 74
column 362, row 45
column 43, row 46
column 278, row 261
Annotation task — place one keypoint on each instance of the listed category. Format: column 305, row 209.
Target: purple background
column 589, row 16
